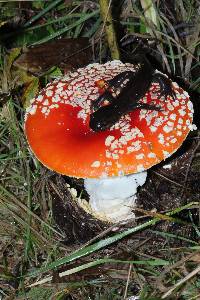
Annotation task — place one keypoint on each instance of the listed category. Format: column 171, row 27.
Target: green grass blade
column 103, row 243
column 43, row 12
column 61, row 19
column 67, row 28
column 151, row 262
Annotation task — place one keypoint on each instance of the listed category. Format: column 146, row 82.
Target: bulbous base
column 114, row 198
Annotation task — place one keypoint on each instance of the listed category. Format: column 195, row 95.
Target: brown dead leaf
column 67, row 54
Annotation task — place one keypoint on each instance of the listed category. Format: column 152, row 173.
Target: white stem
column 113, row 198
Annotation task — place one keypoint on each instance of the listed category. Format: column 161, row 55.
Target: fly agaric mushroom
column 112, row 162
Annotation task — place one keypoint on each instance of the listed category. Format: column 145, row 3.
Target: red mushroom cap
column 57, row 127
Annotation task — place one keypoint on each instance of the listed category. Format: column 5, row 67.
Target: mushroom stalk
column 113, row 198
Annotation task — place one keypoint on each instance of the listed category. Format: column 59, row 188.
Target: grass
column 35, row 262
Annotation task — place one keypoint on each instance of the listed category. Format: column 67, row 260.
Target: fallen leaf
column 67, row 54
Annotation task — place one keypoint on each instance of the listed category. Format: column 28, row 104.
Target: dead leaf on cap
column 67, row 54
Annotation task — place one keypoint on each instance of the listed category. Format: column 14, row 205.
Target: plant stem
column 105, row 10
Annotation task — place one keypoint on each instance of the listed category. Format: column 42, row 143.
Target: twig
column 168, row 179
column 190, row 275
column 175, row 265
column 127, row 282
column 137, row 278
column 154, row 214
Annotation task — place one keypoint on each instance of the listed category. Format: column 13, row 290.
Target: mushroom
column 112, row 162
